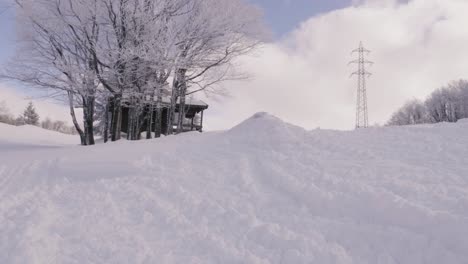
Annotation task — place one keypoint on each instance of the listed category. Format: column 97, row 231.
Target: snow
column 24, row 137
column 464, row 120
column 263, row 192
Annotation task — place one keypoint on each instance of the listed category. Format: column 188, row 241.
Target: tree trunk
column 179, row 81
column 116, row 117
column 138, row 117
column 171, row 110
column 75, row 122
column 181, row 118
column 158, row 123
column 106, row 124
column 182, row 84
column 90, row 120
column 85, row 119
column 130, row 122
column 158, row 119
column 149, row 120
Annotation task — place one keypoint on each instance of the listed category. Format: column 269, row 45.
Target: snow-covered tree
column 128, row 50
column 53, row 55
column 47, row 123
column 210, row 38
column 5, row 115
column 413, row 112
column 447, row 104
column 59, row 126
column 30, row 116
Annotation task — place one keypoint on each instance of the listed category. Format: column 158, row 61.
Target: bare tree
column 126, row 52
column 55, row 56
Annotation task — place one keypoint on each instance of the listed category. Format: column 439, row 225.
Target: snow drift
column 263, row 192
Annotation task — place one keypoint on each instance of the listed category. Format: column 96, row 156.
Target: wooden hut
column 193, row 120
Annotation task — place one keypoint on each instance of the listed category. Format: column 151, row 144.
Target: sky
column 302, row 75
column 7, row 31
column 282, row 16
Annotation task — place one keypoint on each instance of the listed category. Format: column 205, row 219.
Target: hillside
column 27, row 137
column 263, row 192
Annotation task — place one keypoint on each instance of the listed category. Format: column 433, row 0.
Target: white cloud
column 417, row 46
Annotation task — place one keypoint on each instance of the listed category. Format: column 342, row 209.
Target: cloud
column 417, row 46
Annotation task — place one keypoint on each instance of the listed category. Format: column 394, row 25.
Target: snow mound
column 19, row 137
column 265, row 128
column 263, row 192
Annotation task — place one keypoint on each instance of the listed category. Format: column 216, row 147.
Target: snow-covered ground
column 263, row 192
column 13, row 138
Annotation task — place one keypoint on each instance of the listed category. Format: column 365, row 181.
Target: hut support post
column 201, row 122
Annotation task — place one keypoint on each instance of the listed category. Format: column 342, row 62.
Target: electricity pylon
column 362, row 116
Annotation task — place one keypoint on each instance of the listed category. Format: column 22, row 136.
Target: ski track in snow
column 263, row 192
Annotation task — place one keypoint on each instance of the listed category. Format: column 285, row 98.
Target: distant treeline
column 447, row 104
column 31, row 117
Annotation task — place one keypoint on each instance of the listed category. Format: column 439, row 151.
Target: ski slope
column 263, row 192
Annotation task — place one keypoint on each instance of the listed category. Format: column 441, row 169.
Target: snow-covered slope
column 262, row 192
column 27, row 137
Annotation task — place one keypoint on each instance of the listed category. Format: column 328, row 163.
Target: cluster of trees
column 447, row 104
column 98, row 54
column 31, row 117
